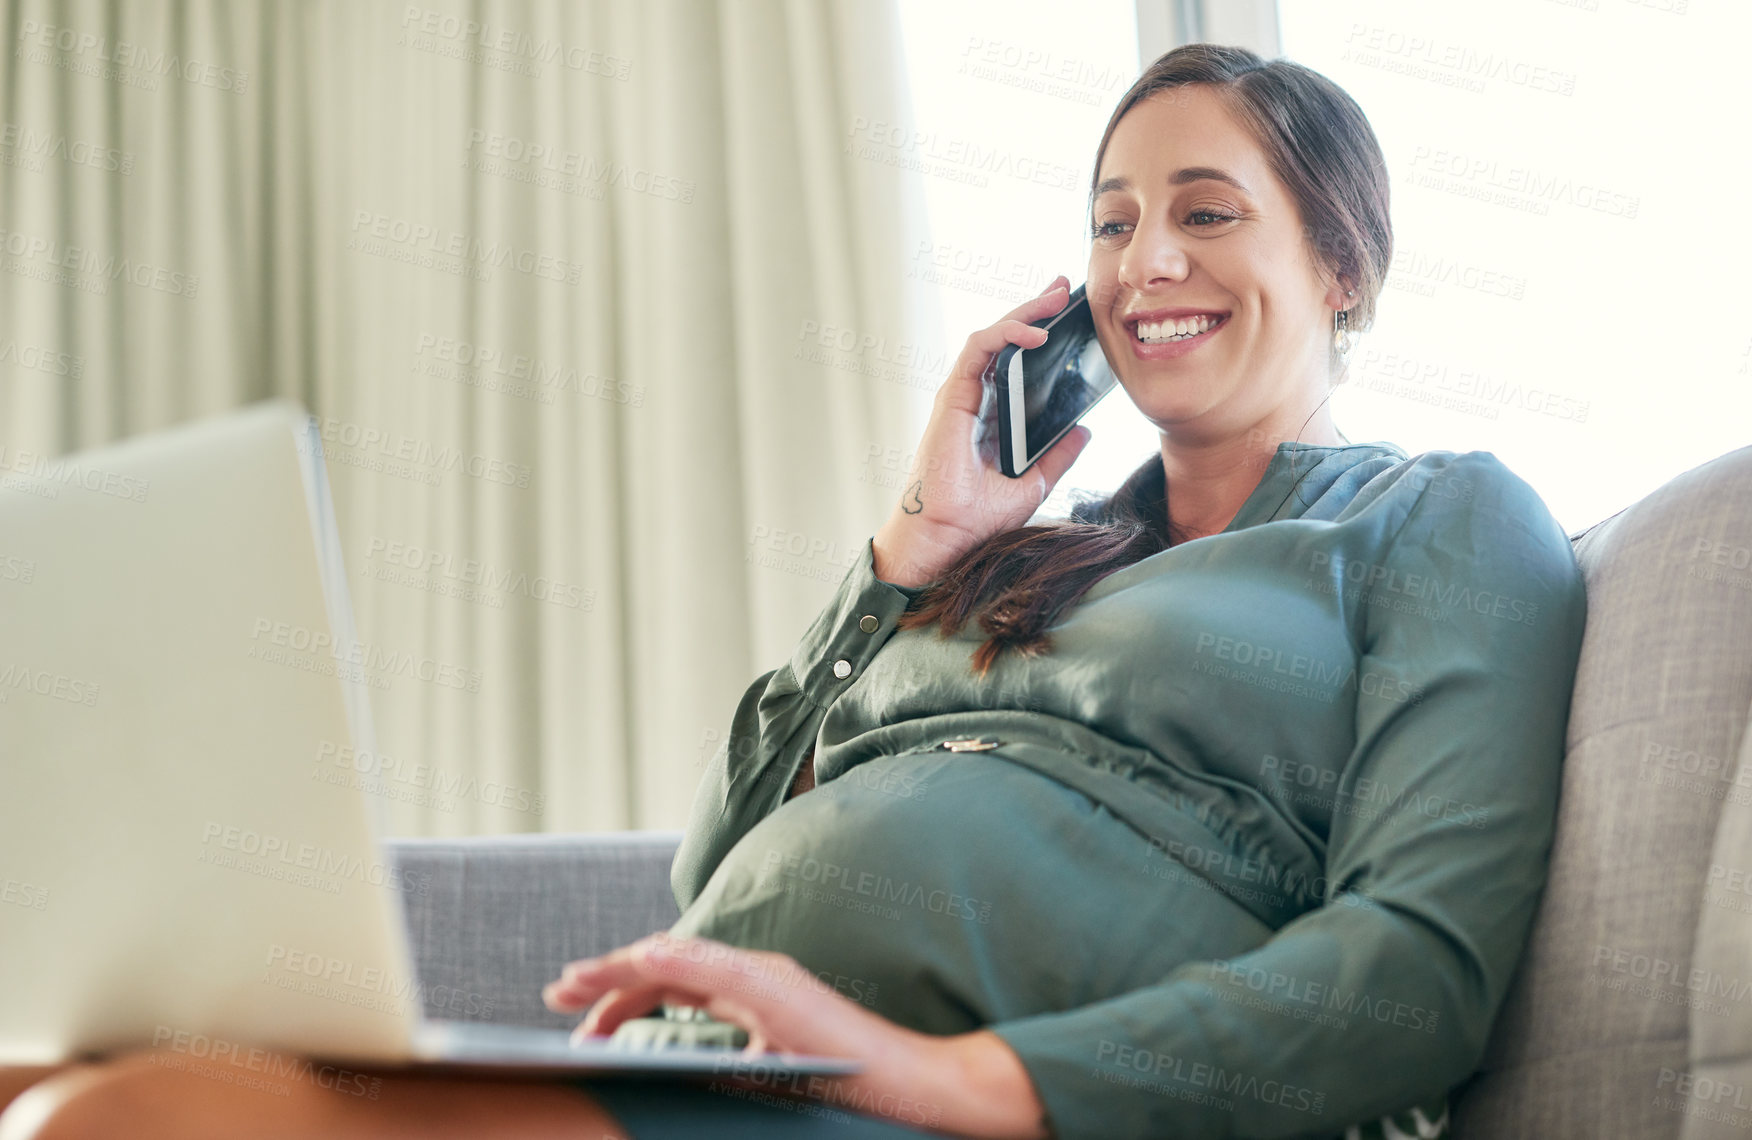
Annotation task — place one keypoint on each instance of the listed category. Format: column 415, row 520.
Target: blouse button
column 868, row 623
column 842, row 668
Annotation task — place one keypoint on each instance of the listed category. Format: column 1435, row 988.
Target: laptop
column 175, row 648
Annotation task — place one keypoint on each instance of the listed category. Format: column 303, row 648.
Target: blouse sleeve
column 777, row 720
column 1383, row 996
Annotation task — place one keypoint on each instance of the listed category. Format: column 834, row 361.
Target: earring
column 1342, row 337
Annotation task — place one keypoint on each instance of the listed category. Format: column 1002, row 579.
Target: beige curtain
column 583, row 294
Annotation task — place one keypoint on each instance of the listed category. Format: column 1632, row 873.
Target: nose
column 1154, row 257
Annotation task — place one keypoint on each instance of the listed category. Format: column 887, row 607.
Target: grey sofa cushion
column 1600, row 1008
column 1717, row 1101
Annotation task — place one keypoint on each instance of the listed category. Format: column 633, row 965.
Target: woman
column 1221, row 812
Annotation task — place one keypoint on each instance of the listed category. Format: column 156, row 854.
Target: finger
column 558, row 997
column 583, row 981
column 621, row 957
column 577, row 995
column 1061, row 455
column 1036, row 308
column 963, row 389
column 756, row 979
column 986, row 342
column 617, row 1005
column 569, row 995
column 994, row 337
column 586, row 966
column 1043, row 302
column 656, row 959
column 779, row 1003
column 1026, row 314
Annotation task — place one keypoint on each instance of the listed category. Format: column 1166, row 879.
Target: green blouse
column 1345, row 712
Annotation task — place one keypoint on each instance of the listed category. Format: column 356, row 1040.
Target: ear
column 1336, row 295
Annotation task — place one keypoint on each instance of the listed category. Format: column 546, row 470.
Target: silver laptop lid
column 176, row 657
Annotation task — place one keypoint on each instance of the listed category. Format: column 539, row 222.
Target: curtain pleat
column 543, row 272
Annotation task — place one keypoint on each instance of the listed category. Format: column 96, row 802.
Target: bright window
column 1015, row 96
column 1570, row 228
column 1571, row 237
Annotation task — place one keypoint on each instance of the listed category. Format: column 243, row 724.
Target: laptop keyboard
column 692, row 1031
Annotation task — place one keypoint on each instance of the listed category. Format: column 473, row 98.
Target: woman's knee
column 145, row 1095
column 15, row 1079
column 157, row 1096
column 57, row 1103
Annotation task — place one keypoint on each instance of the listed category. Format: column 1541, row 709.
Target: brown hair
column 1321, row 147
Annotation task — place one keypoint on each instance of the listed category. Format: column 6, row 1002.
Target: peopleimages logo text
column 133, row 57
column 309, row 857
column 475, row 572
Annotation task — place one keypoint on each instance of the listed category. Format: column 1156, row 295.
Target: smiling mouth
column 1171, row 332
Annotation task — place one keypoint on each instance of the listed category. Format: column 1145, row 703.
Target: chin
column 1171, row 403
column 1187, row 426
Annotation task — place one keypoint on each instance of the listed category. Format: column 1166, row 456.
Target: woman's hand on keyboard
column 967, row 1085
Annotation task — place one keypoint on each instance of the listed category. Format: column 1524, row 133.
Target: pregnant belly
column 948, row 891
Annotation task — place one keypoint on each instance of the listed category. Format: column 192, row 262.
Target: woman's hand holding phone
column 954, row 497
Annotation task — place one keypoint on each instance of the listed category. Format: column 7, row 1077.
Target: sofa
column 1631, row 1013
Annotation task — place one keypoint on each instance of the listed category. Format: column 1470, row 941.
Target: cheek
column 1112, row 340
column 1101, row 281
column 1100, row 286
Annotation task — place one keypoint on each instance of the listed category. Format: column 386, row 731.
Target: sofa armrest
column 500, row 915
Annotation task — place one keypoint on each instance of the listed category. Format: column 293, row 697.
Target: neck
column 1209, row 479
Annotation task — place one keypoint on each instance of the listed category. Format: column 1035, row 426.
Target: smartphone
column 1031, row 396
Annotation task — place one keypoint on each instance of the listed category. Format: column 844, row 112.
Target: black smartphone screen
column 1034, row 395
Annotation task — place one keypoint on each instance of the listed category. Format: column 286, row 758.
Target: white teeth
column 1164, row 332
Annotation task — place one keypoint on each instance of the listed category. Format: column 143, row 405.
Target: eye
column 1199, row 219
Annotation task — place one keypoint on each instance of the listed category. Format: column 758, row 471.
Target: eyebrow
column 1178, row 178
